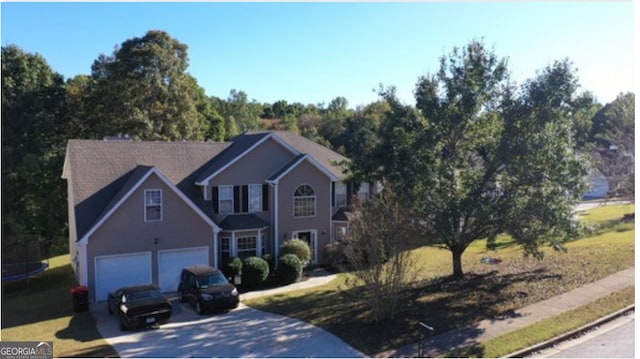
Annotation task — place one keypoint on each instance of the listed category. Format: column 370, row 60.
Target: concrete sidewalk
column 316, row 278
column 488, row 329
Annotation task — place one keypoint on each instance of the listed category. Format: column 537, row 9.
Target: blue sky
column 314, row 52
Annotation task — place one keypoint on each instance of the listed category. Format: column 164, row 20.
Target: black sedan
column 139, row 306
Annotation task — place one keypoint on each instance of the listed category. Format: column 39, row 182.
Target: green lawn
column 486, row 291
column 40, row 309
column 549, row 328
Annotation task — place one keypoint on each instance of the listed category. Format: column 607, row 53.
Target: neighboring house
column 139, row 211
column 599, row 185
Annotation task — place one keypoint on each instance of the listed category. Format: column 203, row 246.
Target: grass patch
column 40, row 309
column 548, row 328
column 486, row 291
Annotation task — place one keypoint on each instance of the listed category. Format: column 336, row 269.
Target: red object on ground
column 79, row 289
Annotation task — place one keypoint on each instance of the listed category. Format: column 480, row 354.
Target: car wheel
column 199, row 308
column 123, row 324
column 181, row 296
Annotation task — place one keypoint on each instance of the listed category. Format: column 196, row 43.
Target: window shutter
column 265, row 197
column 214, row 199
column 333, row 194
column 236, row 199
column 349, row 193
column 245, row 199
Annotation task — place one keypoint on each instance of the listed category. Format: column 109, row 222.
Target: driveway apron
column 243, row 332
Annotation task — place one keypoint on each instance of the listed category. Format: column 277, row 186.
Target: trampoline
column 17, row 271
column 23, row 256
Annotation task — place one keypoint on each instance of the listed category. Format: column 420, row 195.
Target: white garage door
column 172, row 261
column 113, row 272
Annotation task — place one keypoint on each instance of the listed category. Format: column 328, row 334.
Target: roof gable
column 98, row 171
column 136, row 179
column 291, row 165
column 296, row 144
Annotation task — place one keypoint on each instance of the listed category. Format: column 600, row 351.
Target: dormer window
column 152, row 205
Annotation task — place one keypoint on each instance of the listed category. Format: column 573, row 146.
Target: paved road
column 583, row 206
column 615, row 339
column 241, row 333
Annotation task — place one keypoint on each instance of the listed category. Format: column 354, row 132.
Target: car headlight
column 206, row 296
column 234, row 292
column 124, row 308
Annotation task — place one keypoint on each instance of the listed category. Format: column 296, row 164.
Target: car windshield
column 143, row 295
column 212, row 280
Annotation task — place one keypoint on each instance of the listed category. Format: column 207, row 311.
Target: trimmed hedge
column 289, row 269
column 231, row 267
column 271, row 260
column 255, row 271
column 298, row 247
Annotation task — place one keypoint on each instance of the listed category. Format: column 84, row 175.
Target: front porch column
column 233, row 245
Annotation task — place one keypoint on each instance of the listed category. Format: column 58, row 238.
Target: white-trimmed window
column 152, row 205
column 363, row 192
column 225, row 248
column 304, row 201
column 225, row 199
column 255, row 198
column 340, row 195
column 247, row 247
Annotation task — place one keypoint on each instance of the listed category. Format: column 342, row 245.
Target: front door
column 309, row 237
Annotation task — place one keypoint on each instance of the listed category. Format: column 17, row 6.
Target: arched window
column 304, row 201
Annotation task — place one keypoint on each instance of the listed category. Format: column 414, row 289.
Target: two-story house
column 139, row 211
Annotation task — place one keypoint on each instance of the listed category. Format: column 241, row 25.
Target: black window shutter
column 265, row 197
column 214, row 199
column 349, row 193
column 245, row 199
column 333, row 194
column 236, row 199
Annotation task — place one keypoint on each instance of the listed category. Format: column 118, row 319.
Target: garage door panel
column 170, row 263
column 113, row 272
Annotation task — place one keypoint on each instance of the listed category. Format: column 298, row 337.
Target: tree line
column 143, row 89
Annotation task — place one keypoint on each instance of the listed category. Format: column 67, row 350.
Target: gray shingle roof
column 286, row 167
column 322, row 154
column 237, row 222
column 237, row 147
column 99, row 170
column 102, row 171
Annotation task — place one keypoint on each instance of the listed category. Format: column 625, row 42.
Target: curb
column 548, row 343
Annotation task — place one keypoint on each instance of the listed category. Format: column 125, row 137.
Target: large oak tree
column 143, row 90
column 479, row 157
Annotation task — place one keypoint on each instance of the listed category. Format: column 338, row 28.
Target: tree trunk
column 457, row 263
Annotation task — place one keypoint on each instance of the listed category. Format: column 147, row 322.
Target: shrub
column 271, row 260
column 298, row 247
column 231, row 267
column 254, row 271
column 289, row 269
column 335, row 257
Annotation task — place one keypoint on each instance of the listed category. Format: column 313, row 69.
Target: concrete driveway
column 243, row 332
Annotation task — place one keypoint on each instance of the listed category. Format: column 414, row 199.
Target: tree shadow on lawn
column 98, row 351
column 40, row 298
column 442, row 303
column 82, row 328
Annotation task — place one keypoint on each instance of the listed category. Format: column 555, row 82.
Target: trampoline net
column 21, row 253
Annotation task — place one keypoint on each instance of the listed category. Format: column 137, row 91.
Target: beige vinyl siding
column 305, row 173
column 126, row 230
